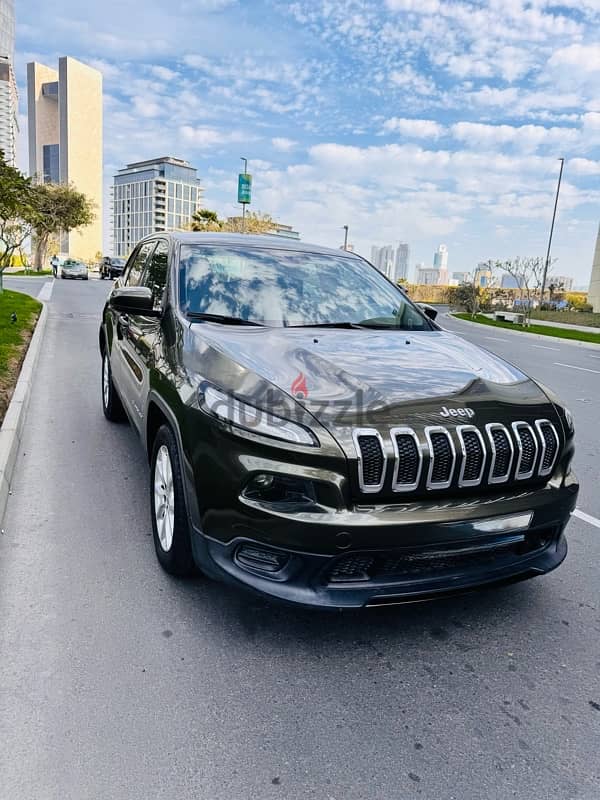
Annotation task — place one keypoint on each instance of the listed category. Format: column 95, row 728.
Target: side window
column 136, row 264
column 155, row 275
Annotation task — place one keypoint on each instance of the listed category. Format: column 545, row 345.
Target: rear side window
column 137, row 263
column 155, row 275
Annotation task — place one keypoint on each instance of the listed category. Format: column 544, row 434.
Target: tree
column 17, row 212
column 528, row 274
column 60, row 209
column 255, row 222
column 205, row 220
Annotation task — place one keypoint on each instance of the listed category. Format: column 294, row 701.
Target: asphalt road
column 120, row 682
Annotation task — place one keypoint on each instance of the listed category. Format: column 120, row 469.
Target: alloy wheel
column 164, row 498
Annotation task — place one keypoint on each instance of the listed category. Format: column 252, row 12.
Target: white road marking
column 594, row 356
column 543, row 347
column 46, row 291
column 496, row 339
column 573, row 366
column 586, row 517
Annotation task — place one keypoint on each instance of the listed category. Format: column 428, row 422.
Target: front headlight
column 252, row 419
column 569, row 420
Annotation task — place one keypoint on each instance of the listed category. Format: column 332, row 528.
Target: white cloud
column 408, row 78
column 526, row 138
column 164, row 73
column 204, row 137
column 414, row 128
column 282, row 144
column 584, row 57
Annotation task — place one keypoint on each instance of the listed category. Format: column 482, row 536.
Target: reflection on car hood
column 385, row 367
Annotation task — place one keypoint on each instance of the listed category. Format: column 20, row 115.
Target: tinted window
column 285, row 288
column 137, row 263
column 155, row 275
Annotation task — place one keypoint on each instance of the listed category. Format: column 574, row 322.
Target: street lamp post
column 345, row 227
column 245, row 160
column 547, row 264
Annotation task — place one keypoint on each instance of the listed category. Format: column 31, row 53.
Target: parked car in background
column 314, row 435
column 111, row 267
column 75, row 270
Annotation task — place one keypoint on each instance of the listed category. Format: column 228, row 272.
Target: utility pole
column 345, row 227
column 547, row 264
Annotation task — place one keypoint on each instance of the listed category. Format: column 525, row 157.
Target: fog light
column 260, row 559
column 516, row 522
column 267, row 488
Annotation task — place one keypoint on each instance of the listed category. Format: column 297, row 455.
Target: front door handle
column 122, row 325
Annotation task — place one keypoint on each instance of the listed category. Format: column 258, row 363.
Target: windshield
column 118, row 262
column 282, row 288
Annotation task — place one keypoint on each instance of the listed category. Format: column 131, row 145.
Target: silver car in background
column 75, row 270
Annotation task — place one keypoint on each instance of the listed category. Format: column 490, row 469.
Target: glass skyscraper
column 8, row 87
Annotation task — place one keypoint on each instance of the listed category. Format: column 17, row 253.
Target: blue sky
column 419, row 120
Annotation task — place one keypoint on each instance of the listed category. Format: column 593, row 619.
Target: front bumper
column 377, row 555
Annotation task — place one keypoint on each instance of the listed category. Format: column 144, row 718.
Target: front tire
column 170, row 525
column 111, row 402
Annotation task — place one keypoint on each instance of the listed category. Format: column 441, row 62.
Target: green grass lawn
column 14, row 339
column 543, row 330
column 569, row 317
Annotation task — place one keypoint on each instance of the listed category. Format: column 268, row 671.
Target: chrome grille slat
column 466, row 434
column 550, row 446
column 364, row 437
column 503, row 451
column 403, row 452
column 526, row 441
column 441, row 465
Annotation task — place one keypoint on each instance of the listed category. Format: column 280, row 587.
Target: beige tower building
column 594, row 290
column 65, row 139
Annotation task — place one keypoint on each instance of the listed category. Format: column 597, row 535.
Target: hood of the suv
column 379, row 368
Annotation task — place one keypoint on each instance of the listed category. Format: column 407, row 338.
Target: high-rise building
column 402, row 261
column 427, row 276
column 594, row 290
column 440, row 258
column 9, row 126
column 161, row 194
column 383, row 259
column 64, row 111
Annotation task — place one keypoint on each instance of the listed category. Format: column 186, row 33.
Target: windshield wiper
column 327, row 325
column 223, row 319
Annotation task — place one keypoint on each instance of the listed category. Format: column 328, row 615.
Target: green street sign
column 244, row 188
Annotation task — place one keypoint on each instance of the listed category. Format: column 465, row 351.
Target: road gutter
column 12, row 426
column 539, row 336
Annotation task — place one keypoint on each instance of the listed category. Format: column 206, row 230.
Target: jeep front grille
column 464, row 457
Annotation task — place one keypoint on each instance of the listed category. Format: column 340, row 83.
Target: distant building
column 594, row 290
column 161, row 194
column 482, row 277
column 564, row 281
column 9, row 126
column 440, row 258
column 286, row 231
column 402, row 261
column 456, row 278
column 383, row 259
column 427, row 276
column 509, row 282
column 64, row 111
column 443, row 277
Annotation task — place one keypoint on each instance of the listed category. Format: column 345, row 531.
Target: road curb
column 538, row 336
column 12, row 426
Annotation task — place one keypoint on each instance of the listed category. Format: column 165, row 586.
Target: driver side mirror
column 134, row 300
column 429, row 311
